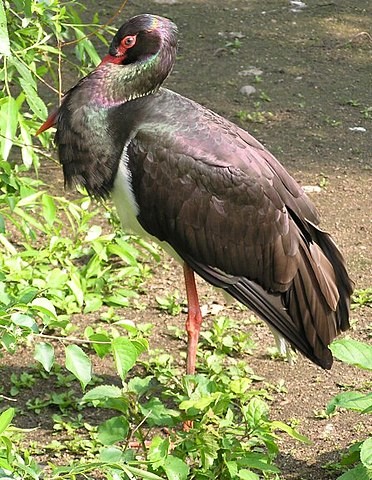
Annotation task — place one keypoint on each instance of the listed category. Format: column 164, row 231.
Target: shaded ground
column 316, row 71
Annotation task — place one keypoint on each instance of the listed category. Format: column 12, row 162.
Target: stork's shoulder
column 190, row 129
column 191, row 133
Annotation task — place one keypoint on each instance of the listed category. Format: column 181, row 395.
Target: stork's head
column 141, row 39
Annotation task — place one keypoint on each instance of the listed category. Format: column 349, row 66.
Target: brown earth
column 316, row 71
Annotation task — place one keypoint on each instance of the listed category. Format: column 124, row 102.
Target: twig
column 70, row 339
column 142, row 442
column 59, row 70
column 36, row 74
column 354, row 37
column 61, row 45
column 8, row 398
column 30, row 145
column 102, row 27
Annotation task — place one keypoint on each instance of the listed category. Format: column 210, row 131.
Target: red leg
column 194, row 318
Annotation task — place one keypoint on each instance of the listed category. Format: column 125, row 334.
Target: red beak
column 50, row 122
column 111, row 59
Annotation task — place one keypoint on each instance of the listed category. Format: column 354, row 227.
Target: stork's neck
column 111, row 85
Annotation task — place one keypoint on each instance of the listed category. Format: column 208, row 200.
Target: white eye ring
column 129, row 41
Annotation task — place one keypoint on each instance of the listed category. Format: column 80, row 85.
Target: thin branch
column 102, row 27
column 34, row 73
column 59, row 70
column 71, row 339
column 143, row 442
column 61, row 45
column 355, row 37
column 37, row 149
column 8, row 398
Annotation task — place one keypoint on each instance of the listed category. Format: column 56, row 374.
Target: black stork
column 204, row 188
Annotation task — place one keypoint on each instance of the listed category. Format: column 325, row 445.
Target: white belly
column 127, row 207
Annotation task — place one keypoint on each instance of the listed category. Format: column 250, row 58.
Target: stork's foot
column 194, row 318
column 135, row 445
column 187, row 425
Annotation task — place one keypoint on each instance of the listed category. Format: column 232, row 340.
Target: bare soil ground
column 316, row 71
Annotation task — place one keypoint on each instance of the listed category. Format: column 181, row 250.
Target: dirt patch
column 314, row 90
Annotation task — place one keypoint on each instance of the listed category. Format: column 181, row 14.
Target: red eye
column 128, row 41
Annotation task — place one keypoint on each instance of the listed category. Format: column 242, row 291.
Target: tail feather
column 266, row 305
column 344, row 284
column 314, row 309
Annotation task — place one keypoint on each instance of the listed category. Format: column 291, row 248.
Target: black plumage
column 205, row 187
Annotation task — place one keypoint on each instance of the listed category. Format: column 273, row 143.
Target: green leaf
column 5, row 419
column 87, row 45
column 49, row 208
column 140, row 385
column 101, row 349
column 25, row 321
column 4, row 37
column 93, row 233
column 27, row 147
column 102, row 392
column 353, row 352
column 108, row 396
column 44, row 353
column 124, row 250
column 175, row 468
column 203, row 403
column 232, row 468
column 34, row 101
column 8, row 125
column 351, row 400
column 56, row 279
column 24, row 72
column 358, row 473
column 142, row 474
column 44, row 305
column 76, row 288
column 256, row 412
column 111, row 455
column 352, row 455
column 366, row 453
column 158, row 414
column 158, row 451
column 9, row 341
column 92, row 303
column 247, row 475
column 113, row 430
column 125, row 355
column 29, row 199
column 27, row 295
column 258, row 461
column 276, row 425
column 79, row 364
column 208, row 448
column 141, row 345
column 4, row 297
column 30, row 219
column 117, row 300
